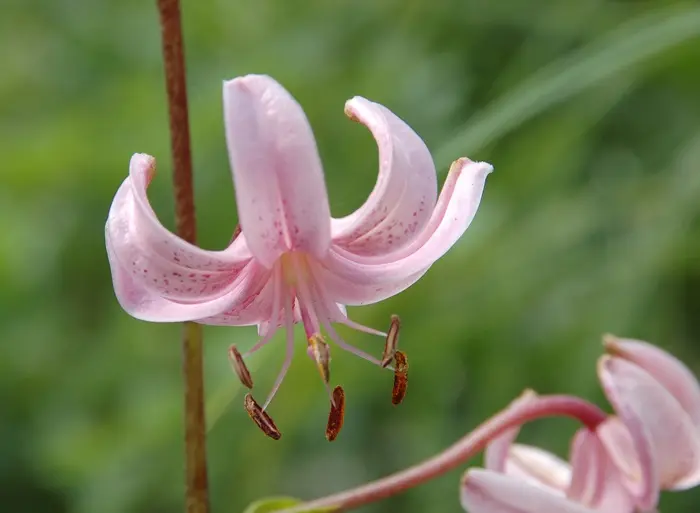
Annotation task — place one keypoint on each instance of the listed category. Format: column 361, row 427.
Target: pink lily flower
column 292, row 262
column 524, row 479
column 656, row 440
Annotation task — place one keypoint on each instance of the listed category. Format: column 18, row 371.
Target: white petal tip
column 247, row 83
column 143, row 159
column 465, row 164
column 143, row 164
column 352, row 106
column 610, row 342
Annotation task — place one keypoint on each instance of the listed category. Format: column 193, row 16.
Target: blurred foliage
column 591, row 223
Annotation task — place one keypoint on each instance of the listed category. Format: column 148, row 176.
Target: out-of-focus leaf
column 273, row 504
column 630, row 44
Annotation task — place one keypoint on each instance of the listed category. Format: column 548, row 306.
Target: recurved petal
column 131, row 216
column 256, row 304
column 664, row 367
column 146, row 304
column 277, row 173
column 451, row 217
column 406, row 190
column 347, row 292
column 483, row 491
column 657, row 424
column 157, row 276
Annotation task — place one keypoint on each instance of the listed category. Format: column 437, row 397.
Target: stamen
column 261, row 343
column 333, row 311
column 337, row 414
column 348, row 347
column 277, row 292
column 344, row 319
column 400, row 378
column 392, row 341
column 289, row 353
column 322, row 355
column 306, row 300
column 261, row 418
column 239, row 366
column 326, row 316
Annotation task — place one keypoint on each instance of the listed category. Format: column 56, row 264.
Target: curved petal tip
column 668, row 370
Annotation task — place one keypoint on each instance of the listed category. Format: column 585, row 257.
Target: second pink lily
column 651, row 444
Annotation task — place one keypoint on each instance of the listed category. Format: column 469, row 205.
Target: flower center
column 294, row 267
column 300, row 294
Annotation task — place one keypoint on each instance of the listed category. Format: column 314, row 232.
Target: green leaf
column 630, row 44
column 272, row 504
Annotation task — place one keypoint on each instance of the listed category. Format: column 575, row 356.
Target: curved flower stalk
column 292, row 262
column 651, row 444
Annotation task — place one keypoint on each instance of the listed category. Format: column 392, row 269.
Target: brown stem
column 197, row 495
column 458, row 453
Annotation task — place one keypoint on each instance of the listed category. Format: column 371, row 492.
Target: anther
column 261, row 418
column 400, row 378
column 239, row 366
column 392, row 341
column 337, row 414
column 321, row 355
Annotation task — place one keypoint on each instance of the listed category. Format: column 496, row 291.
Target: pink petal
column 538, row 467
column 454, row 212
column 406, row 190
column 280, row 191
column 587, row 459
column 596, row 482
column 350, row 293
column 145, row 304
column 664, row 367
column 619, row 445
column 484, row 491
column 254, row 307
column 157, row 276
column 654, row 419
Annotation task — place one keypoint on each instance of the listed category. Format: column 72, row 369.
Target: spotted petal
column 454, row 212
column 158, row 276
column 277, row 173
column 404, row 196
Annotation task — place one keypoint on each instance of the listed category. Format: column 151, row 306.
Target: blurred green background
column 590, row 112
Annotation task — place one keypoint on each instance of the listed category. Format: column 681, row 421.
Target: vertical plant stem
column 196, row 494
